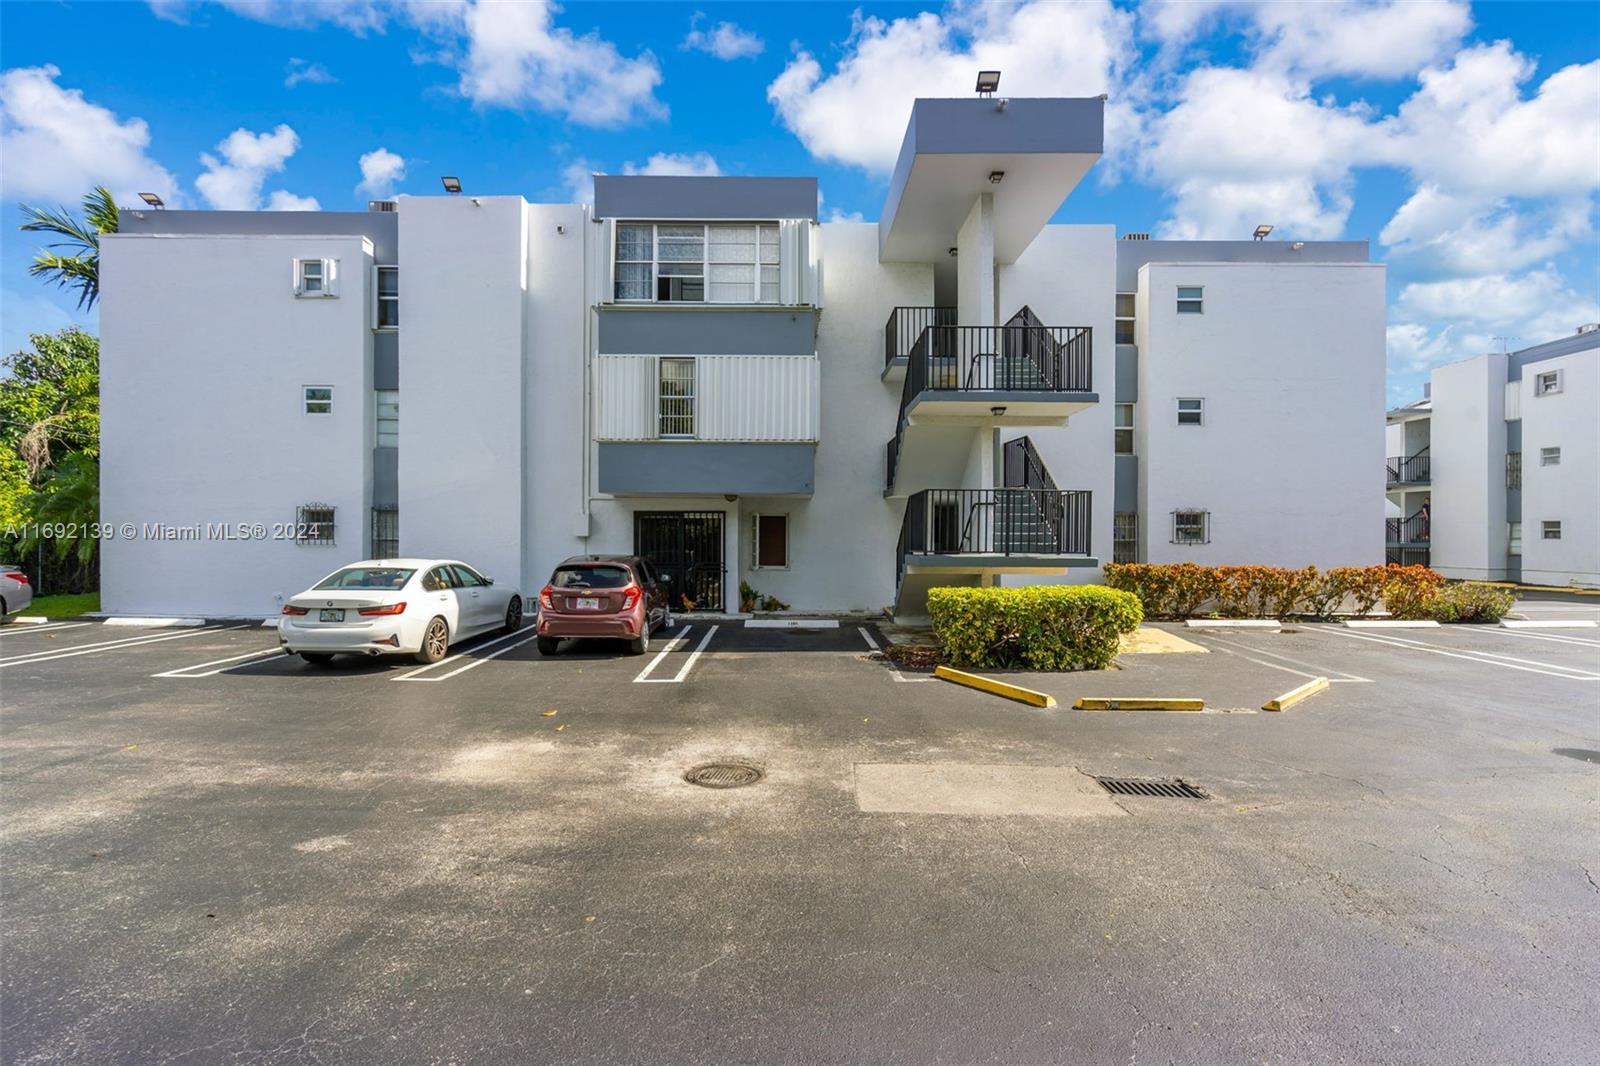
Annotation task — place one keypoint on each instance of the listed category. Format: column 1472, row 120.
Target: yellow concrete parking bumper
column 1295, row 695
column 996, row 688
column 1138, row 703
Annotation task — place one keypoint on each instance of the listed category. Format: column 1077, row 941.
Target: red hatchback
column 616, row 596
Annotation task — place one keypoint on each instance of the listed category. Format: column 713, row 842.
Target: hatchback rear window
column 592, row 577
column 367, row 577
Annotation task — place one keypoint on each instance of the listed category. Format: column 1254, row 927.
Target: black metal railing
column 1024, row 469
column 1410, row 530
column 891, row 461
column 906, row 324
column 1409, row 469
column 1003, row 522
column 1406, row 556
column 1005, row 358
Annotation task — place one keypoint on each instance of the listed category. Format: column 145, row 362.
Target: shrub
column 1040, row 627
column 1409, row 591
column 1471, row 601
column 1362, row 584
column 1263, row 591
column 1165, row 590
column 1182, row 590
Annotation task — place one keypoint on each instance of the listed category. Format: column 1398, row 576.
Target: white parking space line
column 1332, row 675
column 411, row 675
column 106, row 646
column 199, row 669
column 1549, row 638
column 868, row 638
column 1531, row 666
column 893, row 669
column 644, row 677
column 478, row 660
column 48, row 627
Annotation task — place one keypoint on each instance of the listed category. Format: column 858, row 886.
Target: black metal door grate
column 1176, row 788
column 685, row 546
column 385, row 533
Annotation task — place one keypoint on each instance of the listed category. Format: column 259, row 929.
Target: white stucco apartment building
column 1495, row 473
column 696, row 369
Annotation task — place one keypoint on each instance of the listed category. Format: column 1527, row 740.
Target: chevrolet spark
column 616, row 596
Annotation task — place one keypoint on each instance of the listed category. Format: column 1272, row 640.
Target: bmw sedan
column 416, row 607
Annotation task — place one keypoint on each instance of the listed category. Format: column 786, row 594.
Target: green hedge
column 1041, row 627
column 1471, row 601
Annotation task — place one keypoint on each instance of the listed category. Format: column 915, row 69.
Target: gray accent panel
column 691, row 331
column 381, row 227
column 1126, row 496
column 1514, row 568
column 1131, row 255
column 696, row 468
column 386, row 477
column 1577, row 342
column 1513, row 505
column 650, row 197
column 386, row 360
column 1514, row 435
column 1127, row 390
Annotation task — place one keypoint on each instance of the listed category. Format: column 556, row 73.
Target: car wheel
column 5, row 616
column 514, row 614
column 640, row 644
column 548, row 645
column 317, row 658
column 435, row 642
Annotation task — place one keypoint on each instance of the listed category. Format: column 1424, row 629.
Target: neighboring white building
column 1495, row 473
column 841, row 414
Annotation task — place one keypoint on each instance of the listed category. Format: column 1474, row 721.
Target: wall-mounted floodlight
column 997, row 411
column 988, row 82
column 152, row 199
column 952, row 253
column 996, row 177
column 452, row 185
column 1262, row 231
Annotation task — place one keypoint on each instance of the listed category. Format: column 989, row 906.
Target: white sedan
column 416, row 607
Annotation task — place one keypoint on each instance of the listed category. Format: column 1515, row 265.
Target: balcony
column 902, row 331
column 1412, row 531
column 1413, row 470
column 994, row 530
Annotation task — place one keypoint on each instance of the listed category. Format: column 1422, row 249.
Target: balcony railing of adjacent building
column 1409, row 469
column 1407, row 556
column 1409, row 530
column 1003, row 523
column 906, row 324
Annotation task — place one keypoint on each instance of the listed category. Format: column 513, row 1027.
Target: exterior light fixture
column 997, row 410
column 952, row 253
column 1297, row 245
column 452, row 185
column 152, row 199
column 1262, row 231
column 996, row 176
column 988, row 82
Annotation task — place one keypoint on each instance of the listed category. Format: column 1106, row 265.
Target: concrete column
column 975, row 264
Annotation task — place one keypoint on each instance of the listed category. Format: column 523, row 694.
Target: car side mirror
column 488, row 581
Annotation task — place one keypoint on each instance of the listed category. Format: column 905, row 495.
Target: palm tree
column 80, row 267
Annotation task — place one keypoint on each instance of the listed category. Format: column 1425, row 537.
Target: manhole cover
column 723, row 775
column 1176, row 788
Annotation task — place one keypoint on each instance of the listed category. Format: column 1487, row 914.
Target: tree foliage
column 73, row 261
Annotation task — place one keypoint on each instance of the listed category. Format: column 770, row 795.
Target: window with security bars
column 675, row 398
column 1124, row 537
column 385, row 533
column 1513, row 470
column 732, row 263
column 1190, row 527
column 313, row 524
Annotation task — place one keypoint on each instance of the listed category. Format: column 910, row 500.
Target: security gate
column 685, row 546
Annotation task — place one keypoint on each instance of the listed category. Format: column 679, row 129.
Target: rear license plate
column 586, row 603
column 326, row 615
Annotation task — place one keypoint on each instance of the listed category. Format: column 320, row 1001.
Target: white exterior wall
column 1289, row 359
column 1068, row 277
column 463, row 306
column 204, row 351
column 1570, row 492
column 737, row 397
column 1468, row 505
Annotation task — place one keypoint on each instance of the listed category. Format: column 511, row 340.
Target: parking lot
column 215, row 852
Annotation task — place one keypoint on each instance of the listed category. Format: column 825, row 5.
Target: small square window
column 314, row 524
column 769, row 542
column 1190, row 299
column 1549, row 456
column 1547, row 382
column 1124, row 428
column 1191, row 411
column 1551, row 530
column 315, row 277
column 318, row 399
column 1190, row 527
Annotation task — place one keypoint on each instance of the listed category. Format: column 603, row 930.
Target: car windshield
column 367, row 577
column 592, row 577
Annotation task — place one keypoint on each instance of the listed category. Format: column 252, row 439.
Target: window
column 675, row 398
column 1514, row 539
column 1551, row 530
column 386, row 533
column 605, row 576
column 769, row 541
column 1124, row 428
column 696, row 263
column 1549, row 456
column 1124, row 537
column 318, row 399
column 313, row 524
column 1190, row 527
column 438, row 579
column 1125, row 304
column 388, row 418
column 367, row 577
column 316, row 277
column 387, row 314
column 1189, row 299
column 1547, row 382
column 467, row 578
column 1191, row 411
column 1513, row 470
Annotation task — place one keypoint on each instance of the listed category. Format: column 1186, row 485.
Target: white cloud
column 857, row 114
column 1469, row 235
column 288, row 201
column 233, row 183
column 381, row 171
column 1440, row 321
column 578, row 175
column 303, row 70
column 357, row 16
column 56, row 145
column 725, row 40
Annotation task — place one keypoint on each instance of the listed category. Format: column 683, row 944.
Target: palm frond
column 79, row 267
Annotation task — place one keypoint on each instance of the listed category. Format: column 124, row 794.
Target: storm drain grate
column 723, row 775
column 1176, row 788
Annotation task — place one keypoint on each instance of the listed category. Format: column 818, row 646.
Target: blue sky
column 1462, row 140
